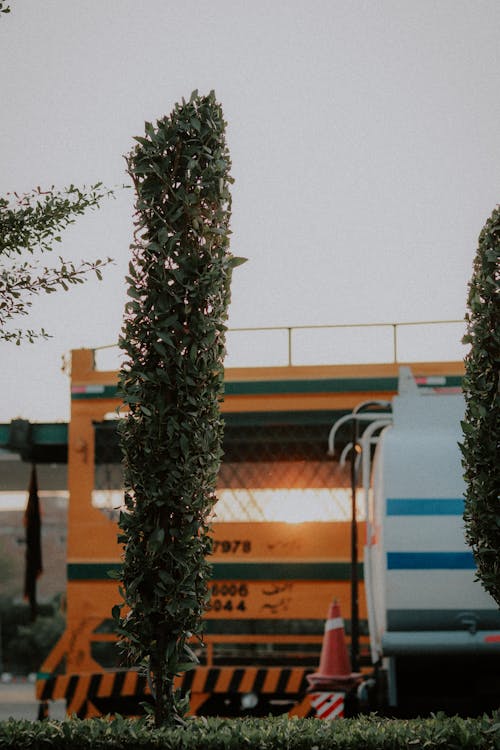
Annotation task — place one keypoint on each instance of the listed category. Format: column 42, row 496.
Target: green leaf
column 115, row 612
column 185, row 666
column 234, row 261
column 158, row 536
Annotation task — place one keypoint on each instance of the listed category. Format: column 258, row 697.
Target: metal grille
column 271, row 471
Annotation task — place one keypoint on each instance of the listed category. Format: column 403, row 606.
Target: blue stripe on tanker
column 430, row 561
column 410, row 506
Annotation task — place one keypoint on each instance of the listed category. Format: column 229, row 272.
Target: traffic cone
column 334, row 671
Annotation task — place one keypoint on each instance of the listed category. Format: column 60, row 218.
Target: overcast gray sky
column 364, row 138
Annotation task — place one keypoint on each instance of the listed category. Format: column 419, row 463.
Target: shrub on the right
column 481, row 425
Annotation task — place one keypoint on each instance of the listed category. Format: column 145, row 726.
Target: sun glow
column 279, row 505
column 286, row 505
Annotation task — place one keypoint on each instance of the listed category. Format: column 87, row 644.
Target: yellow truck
column 282, row 541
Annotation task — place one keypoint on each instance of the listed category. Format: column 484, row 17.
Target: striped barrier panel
column 328, row 705
column 95, row 694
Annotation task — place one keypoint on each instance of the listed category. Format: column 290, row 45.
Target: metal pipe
column 366, row 417
column 356, row 448
column 354, row 556
column 413, row 643
column 367, row 439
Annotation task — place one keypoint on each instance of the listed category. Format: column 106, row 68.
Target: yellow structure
column 273, row 579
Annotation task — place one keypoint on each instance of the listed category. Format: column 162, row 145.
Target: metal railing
column 433, row 340
column 359, row 343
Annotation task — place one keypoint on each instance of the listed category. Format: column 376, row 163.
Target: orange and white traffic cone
column 334, row 677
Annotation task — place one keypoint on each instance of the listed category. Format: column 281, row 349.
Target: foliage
column 33, row 642
column 369, row 733
column 25, row 645
column 7, row 582
column 172, row 381
column 481, row 425
column 31, row 223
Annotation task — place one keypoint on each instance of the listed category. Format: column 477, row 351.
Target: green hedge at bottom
column 366, row 733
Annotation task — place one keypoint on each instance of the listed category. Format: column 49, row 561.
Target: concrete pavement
column 17, row 701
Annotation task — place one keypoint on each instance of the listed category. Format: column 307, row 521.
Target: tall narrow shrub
column 173, row 337
column 481, row 425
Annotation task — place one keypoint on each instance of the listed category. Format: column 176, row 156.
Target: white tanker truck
column 434, row 631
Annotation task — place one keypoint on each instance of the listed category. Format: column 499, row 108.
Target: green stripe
column 326, row 385
column 56, row 433
column 50, row 433
column 108, row 391
column 289, row 626
column 258, row 571
column 277, row 571
column 44, row 675
column 42, row 433
column 91, row 571
column 270, row 387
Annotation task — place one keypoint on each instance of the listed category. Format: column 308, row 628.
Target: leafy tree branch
column 31, row 224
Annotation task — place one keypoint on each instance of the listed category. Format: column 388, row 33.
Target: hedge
column 278, row 733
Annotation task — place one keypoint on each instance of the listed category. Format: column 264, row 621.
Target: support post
column 354, row 556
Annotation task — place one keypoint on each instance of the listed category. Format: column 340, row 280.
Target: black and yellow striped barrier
column 210, row 688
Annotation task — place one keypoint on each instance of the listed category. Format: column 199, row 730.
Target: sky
column 364, row 139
